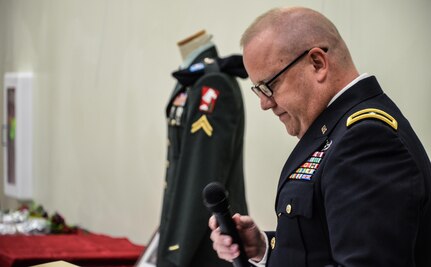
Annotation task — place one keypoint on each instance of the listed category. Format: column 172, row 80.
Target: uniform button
column 174, row 247
column 273, row 242
column 288, row 208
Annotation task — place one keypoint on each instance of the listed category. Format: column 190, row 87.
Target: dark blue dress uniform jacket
column 367, row 203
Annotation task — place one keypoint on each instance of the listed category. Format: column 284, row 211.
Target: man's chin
column 289, row 130
column 292, row 131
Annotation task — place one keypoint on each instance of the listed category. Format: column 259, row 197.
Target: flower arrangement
column 34, row 219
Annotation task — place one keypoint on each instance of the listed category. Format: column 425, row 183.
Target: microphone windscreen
column 214, row 193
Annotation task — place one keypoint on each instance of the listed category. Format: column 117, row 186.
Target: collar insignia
column 324, row 129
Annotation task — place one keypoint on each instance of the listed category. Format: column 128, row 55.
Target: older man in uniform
column 355, row 191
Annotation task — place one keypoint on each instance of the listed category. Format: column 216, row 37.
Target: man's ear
column 319, row 59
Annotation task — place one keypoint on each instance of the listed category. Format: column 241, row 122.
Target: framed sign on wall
column 17, row 133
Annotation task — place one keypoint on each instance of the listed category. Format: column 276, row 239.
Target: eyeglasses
column 264, row 88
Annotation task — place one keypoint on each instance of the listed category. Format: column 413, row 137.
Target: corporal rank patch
column 204, row 124
column 309, row 167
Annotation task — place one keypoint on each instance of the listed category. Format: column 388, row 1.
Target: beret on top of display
column 231, row 65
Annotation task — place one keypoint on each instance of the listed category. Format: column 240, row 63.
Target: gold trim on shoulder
column 204, row 124
column 374, row 114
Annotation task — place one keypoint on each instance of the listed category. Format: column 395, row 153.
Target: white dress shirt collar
column 357, row 79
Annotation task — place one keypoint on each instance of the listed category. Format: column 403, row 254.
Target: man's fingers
column 242, row 222
column 212, row 223
column 222, row 244
column 226, row 252
column 215, row 235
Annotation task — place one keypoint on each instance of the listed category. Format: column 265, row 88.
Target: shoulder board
column 372, row 113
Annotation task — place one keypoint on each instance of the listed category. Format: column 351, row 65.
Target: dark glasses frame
column 264, row 87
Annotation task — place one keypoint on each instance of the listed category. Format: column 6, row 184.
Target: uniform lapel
column 322, row 127
column 210, row 52
column 178, row 88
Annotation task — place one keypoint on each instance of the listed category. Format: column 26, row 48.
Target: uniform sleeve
column 211, row 150
column 371, row 188
column 269, row 235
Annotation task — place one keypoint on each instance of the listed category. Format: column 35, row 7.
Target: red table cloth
column 83, row 249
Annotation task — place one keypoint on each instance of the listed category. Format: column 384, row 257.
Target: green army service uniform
column 205, row 143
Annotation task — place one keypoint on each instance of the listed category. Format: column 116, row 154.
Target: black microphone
column 216, row 200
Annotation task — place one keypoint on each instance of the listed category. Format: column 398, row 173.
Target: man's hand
column 252, row 238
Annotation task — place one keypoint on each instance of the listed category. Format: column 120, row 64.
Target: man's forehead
column 262, row 51
column 264, row 36
column 260, row 66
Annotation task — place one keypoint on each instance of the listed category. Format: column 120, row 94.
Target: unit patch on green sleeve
column 372, row 113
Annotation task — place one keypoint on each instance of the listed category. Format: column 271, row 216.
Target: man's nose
column 266, row 102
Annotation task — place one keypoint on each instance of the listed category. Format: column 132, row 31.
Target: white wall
column 103, row 79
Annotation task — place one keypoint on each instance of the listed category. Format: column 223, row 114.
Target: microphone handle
column 228, row 227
